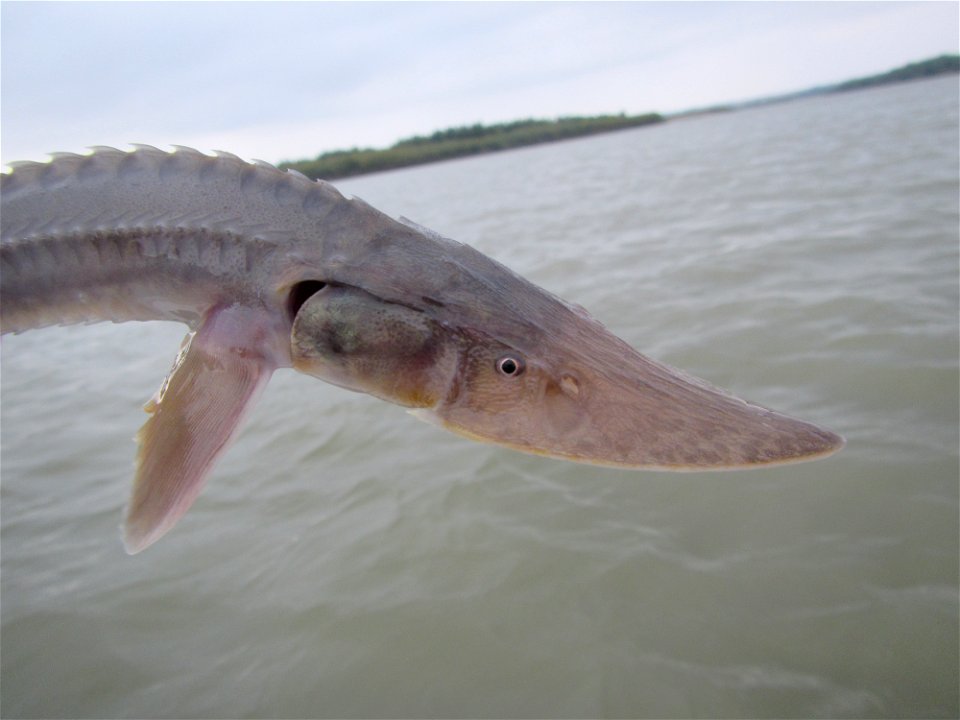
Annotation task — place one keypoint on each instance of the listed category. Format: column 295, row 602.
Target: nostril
column 570, row 386
column 300, row 293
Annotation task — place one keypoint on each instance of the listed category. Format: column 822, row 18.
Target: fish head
column 580, row 393
column 563, row 386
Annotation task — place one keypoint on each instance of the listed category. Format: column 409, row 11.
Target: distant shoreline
column 479, row 139
column 462, row 142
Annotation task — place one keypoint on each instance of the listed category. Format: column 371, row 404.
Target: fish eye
column 510, row 366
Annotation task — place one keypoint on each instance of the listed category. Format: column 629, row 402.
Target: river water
column 346, row 560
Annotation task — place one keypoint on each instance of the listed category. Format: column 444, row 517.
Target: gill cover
column 351, row 338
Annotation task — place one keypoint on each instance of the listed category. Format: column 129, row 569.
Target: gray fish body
column 150, row 235
column 270, row 269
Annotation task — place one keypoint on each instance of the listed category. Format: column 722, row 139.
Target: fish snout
column 610, row 405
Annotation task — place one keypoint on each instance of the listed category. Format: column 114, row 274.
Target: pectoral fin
column 194, row 417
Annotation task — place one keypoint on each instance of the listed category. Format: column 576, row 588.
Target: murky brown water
column 346, row 560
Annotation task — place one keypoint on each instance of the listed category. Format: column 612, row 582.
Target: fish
column 269, row 269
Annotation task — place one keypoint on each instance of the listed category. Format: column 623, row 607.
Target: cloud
column 286, row 80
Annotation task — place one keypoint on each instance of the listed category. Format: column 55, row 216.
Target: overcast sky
column 289, row 80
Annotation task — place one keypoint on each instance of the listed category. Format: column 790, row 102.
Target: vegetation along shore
column 475, row 139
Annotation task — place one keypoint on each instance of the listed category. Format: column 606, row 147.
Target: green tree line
column 475, row 139
column 914, row 71
column 462, row 141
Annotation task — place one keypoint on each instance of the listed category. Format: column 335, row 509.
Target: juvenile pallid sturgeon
column 271, row 270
